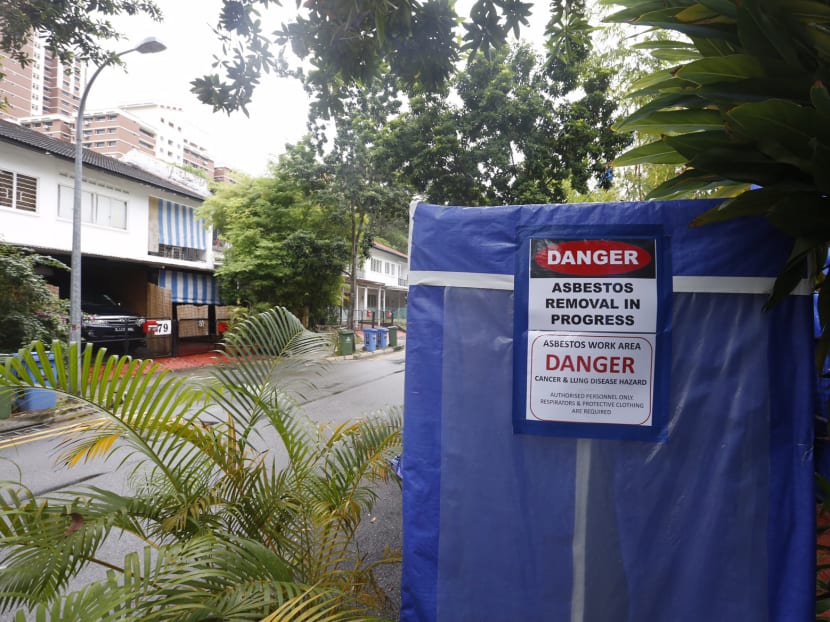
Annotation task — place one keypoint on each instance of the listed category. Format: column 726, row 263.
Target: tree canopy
column 521, row 130
column 345, row 43
column 282, row 247
column 72, row 28
column 353, row 42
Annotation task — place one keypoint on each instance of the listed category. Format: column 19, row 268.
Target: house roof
column 30, row 139
column 389, row 249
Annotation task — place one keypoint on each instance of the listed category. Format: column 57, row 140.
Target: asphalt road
column 342, row 390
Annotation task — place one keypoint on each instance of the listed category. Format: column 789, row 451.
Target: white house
column 382, row 286
column 141, row 241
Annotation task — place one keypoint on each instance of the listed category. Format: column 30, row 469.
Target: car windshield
column 101, row 304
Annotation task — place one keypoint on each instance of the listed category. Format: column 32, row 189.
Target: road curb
column 364, row 354
column 69, row 412
column 43, row 417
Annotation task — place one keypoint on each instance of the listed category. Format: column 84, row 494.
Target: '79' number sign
column 159, row 328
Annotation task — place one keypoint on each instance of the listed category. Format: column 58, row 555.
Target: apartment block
column 45, row 95
column 174, row 139
column 45, row 86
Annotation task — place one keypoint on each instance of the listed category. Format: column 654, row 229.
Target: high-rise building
column 45, row 95
column 175, row 140
column 225, row 175
column 109, row 132
column 45, row 86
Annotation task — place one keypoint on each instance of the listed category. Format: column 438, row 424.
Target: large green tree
column 350, row 175
column 283, row 248
column 521, row 130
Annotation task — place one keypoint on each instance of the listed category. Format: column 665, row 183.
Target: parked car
column 106, row 323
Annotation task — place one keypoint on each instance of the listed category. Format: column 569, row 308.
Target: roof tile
column 25, row 137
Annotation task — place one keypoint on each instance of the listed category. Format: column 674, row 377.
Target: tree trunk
column 353, row 277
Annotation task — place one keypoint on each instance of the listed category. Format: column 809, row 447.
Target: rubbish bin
column 5, row 402
column 393, row 336
column 346, row 342
column 38, row 399
column 383, row 338
column 369, row 339
column 6, row 394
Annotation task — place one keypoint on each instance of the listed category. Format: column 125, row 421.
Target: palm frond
column 93, row 602
column 143, row 402
column 256, row 352
column 357, row 452
column 232, row 531
column 318, row 606
column 204, row 578
column 44, row 543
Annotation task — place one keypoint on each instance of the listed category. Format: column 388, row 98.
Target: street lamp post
column 148, row 46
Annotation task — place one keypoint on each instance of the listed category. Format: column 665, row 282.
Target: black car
column 106, row 323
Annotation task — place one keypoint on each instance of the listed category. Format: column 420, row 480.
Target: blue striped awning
column 179, row 226
column 195, row 288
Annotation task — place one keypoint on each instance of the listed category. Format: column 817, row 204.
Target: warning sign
column 586, row 378
column 592, row 326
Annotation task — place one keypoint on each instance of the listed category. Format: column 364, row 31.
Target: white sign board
column 592, row 330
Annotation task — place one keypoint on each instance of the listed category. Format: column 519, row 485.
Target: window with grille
column 18, row 191
column 377, row 265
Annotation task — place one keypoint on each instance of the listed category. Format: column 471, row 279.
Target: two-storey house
column 382, row 286
column 141, row 240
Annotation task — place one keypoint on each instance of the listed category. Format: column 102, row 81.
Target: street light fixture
column 150, row 45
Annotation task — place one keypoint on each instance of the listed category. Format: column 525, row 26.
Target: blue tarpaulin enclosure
column 714, row 521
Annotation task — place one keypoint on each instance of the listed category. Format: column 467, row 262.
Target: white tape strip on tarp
column 472, row 280
column 680, row 284
column 733, row 285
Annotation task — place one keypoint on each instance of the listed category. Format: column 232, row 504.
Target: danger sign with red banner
column 592, row 326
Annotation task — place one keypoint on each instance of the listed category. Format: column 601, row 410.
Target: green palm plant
column 233, row 529
column 745, row 104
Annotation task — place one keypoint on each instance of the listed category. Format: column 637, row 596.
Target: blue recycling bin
column 383, row 338
column 38, row 399
column 369, row 339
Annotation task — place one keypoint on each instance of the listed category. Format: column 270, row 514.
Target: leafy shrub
column 30, row 310
column 236, row 527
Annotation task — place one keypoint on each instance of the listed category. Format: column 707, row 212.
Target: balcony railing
column 179, row 252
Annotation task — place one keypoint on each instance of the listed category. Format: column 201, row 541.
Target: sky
column 279, row 109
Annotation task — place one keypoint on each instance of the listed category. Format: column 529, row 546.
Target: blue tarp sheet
column 716, row 523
